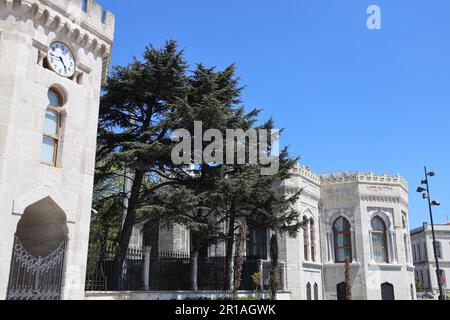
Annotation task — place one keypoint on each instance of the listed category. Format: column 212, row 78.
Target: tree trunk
column 274, row 272
column 127, row 229
column 229, row 248
column 239, row 259
column 348, row 280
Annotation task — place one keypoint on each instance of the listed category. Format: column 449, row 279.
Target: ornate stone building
column 54, row 55
column 360, row 216
column 423, row 256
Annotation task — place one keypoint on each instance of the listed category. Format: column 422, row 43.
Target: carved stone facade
column 374, row 209
column 44, row 203
column 424, row 260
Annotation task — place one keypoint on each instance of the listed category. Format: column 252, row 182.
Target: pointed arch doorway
column 37, row 263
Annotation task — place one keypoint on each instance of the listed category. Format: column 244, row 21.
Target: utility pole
column 426, row 195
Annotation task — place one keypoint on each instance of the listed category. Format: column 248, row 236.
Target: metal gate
column 35, row 278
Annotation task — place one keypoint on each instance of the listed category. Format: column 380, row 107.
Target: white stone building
column 423, row 256
column 54, row 55
column 360, row 216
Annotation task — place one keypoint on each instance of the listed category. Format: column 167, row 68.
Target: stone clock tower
column 54, row 56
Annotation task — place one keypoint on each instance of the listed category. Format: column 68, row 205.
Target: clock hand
column 60, row 58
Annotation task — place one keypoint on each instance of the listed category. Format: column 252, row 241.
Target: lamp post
column 426, row 195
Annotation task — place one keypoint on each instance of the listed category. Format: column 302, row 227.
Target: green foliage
column 257, row 279
column 419, row 286
column 144, row 102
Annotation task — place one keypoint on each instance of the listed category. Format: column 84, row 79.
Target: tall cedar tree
column 137, row 114
column 143, row 103
column 238, row 194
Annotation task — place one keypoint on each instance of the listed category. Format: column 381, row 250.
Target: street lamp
column 426, row 195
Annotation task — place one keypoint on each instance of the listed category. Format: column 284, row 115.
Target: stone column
column 261, row 271
column 308, row 226
column 147, row 253
column 330, row 246
column 392, row 240
column 283, row 276
column 353, row 242
column 194, row 271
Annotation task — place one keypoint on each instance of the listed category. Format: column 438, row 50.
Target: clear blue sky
column 349, row 98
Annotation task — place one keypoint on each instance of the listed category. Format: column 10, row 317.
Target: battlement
column 87, row 13
column 90, row 13
column 81, row 21
column 344, row 177
column 307, row 173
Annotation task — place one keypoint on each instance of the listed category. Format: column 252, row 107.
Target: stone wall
column 27, row 28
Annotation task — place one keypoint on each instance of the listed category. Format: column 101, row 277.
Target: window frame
column 57, row 137
column 316, row 291
column 438, row 247
column 306, row 241
column 308, row 292
column 345, row 233
column 312, row 233
column 253, row 245
column 385, row 234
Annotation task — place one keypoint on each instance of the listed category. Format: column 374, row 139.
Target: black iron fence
column 168, row 271
column 100, row 269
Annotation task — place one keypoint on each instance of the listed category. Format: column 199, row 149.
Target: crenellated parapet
column 81, row 21
column 307, row 173
column 345, row 177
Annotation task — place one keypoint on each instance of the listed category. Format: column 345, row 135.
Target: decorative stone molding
column 90, row 30
column 27, row 199
column 305, row 194
column 385, row 267
column 346, row 177
column 307, row 173
column 380, row 198
column 386, row 214
column 333, row 215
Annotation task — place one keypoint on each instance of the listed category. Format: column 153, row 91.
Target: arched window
column 308, row 291
column 52, row 128
column 257, row 244
column 443, row 278
column 342, row 240
column 404, row 221
column 387, row 291
column 419, row 255
column 412, row 292
column 425, row 253
column 438, row 249
column 306, row 242
column 316, row 292
column 379, row 240
column 313, row 240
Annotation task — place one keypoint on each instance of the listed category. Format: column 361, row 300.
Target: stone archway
column 37, row 263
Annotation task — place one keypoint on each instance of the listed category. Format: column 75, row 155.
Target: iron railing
column 168, row 271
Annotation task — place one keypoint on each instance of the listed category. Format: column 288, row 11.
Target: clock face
column 61, row 59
